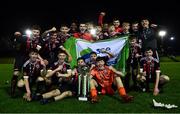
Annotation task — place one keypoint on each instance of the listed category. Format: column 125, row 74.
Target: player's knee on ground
column 141, row 78
column 40, row 79
column 20, row 83
column 164, row 79
column 16, row 73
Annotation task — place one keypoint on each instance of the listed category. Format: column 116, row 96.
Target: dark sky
column 17, row 15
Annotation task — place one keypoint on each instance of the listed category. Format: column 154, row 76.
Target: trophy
column 83, row 83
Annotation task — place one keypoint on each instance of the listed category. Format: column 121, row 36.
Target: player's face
column 135, row 27
column 105, row 26
column 126, row 27
column 100, row 64
column 145, row 23
column 61, row 56
column 98, row 29
column 33, row 56
column 93, row 57
column 35, row 33
column 82, row 28
column 89, row 26
column 81, row 62
column 116, row 23
column 133, row 41
column 54, row 37
column 149, row 53
column 111, row 29
column 64, row 30
column 73, row 26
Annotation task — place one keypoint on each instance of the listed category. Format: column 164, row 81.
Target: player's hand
column 153, row 25
column 156, row 91
column 53, row 29
column 103, row 13
column 17, row 34
column 46, row 62
column 143, row 78
column 38, row 47
column 137, row 55
column 92, row 66
column 143, row 74
column 27, row 96
column 74, row 72
column 106, row 34
column 57, row 74
column 43, row 63
column 138, row 45
column 62, row 48
column 59, row 68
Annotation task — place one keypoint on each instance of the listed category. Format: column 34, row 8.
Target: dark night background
column 18, row 15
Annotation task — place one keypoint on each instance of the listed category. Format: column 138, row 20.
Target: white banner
column 114, row 46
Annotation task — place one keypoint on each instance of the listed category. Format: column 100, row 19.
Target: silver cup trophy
column 83, row 83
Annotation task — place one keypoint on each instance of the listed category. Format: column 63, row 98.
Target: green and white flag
column 119, row 47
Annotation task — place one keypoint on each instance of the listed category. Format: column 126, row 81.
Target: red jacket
column 118, row 29
column 100, row 20
column 85, row 36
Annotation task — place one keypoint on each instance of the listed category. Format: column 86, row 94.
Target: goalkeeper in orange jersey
column 103, row 78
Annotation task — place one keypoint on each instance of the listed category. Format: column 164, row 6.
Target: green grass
column 178, row 58
column 165, row 59
column 141, row 103
column 6, row 60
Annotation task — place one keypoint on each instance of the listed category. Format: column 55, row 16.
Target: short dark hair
column 53, row 32
column 132, row 37
column 36, row 27
column 116, row 19
column 33, row 51
column 135, row 22
column 100, row 58
column 145, row 18
column 61, row 51
column 148, row 48
column 64, row 25
column 93, row 53
column 80, row 58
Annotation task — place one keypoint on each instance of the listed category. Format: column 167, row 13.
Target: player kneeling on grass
column 150, row 73
column 104, row 77
column 32, row 70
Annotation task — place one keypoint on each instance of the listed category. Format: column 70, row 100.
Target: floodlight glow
column 28, row 32
column 162, row 33
column 172, row 38
column 93, row 31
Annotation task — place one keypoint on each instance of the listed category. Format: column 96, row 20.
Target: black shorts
column 134, row 65
column 68, row 86
column 54, row 80
column 19, row 61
